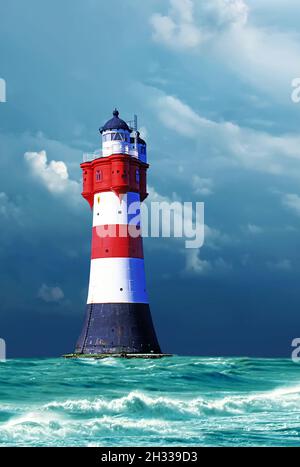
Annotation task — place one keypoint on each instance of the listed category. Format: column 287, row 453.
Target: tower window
column 98, row 175
column 116, row 137
column 137, row 176
column 107, row 137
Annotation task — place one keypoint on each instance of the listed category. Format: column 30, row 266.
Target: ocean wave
column 34, row 428
column 138, row 416
column 179, row 401
column 171, row 407
column 134, row 403
column 109, row 361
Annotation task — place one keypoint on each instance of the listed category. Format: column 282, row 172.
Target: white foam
column 138, row 414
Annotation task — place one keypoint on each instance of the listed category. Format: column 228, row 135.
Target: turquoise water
column 177, row 401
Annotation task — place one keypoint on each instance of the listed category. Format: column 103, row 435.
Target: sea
column 174, row 401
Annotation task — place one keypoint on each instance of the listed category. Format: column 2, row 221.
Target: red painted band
column 119, row 173
column 116, row 241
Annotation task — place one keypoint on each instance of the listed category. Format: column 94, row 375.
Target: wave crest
column 137, row 402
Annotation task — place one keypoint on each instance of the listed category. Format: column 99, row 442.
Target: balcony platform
column 119, row 355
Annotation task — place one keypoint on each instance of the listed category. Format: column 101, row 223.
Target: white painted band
column 110, row 210
column 117, row 280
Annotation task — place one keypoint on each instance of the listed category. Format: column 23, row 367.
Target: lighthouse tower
column 118, row 318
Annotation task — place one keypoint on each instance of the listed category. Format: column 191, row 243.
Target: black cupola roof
column 115, row 123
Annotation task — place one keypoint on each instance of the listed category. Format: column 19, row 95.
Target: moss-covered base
column 118, row 355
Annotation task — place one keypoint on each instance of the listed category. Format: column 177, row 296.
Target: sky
column 211, row 85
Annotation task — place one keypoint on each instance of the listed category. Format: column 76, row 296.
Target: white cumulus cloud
column 226, row 143
column 53, row 175
column 281, row 265
column 263, row 56
column 177, row 29
column 50, row 294
column 254, row 229
column 292, row 201
column 189, row 23
column 198, row 266
column 7, row 207
column 202, row 186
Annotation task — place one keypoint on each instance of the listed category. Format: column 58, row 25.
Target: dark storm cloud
column 220, row 131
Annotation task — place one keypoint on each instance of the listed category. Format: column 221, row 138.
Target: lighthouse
column 117, row 318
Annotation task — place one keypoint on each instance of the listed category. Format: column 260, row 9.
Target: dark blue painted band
column 118, row 327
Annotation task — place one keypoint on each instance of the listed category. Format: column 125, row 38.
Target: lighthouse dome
column 115, row 123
